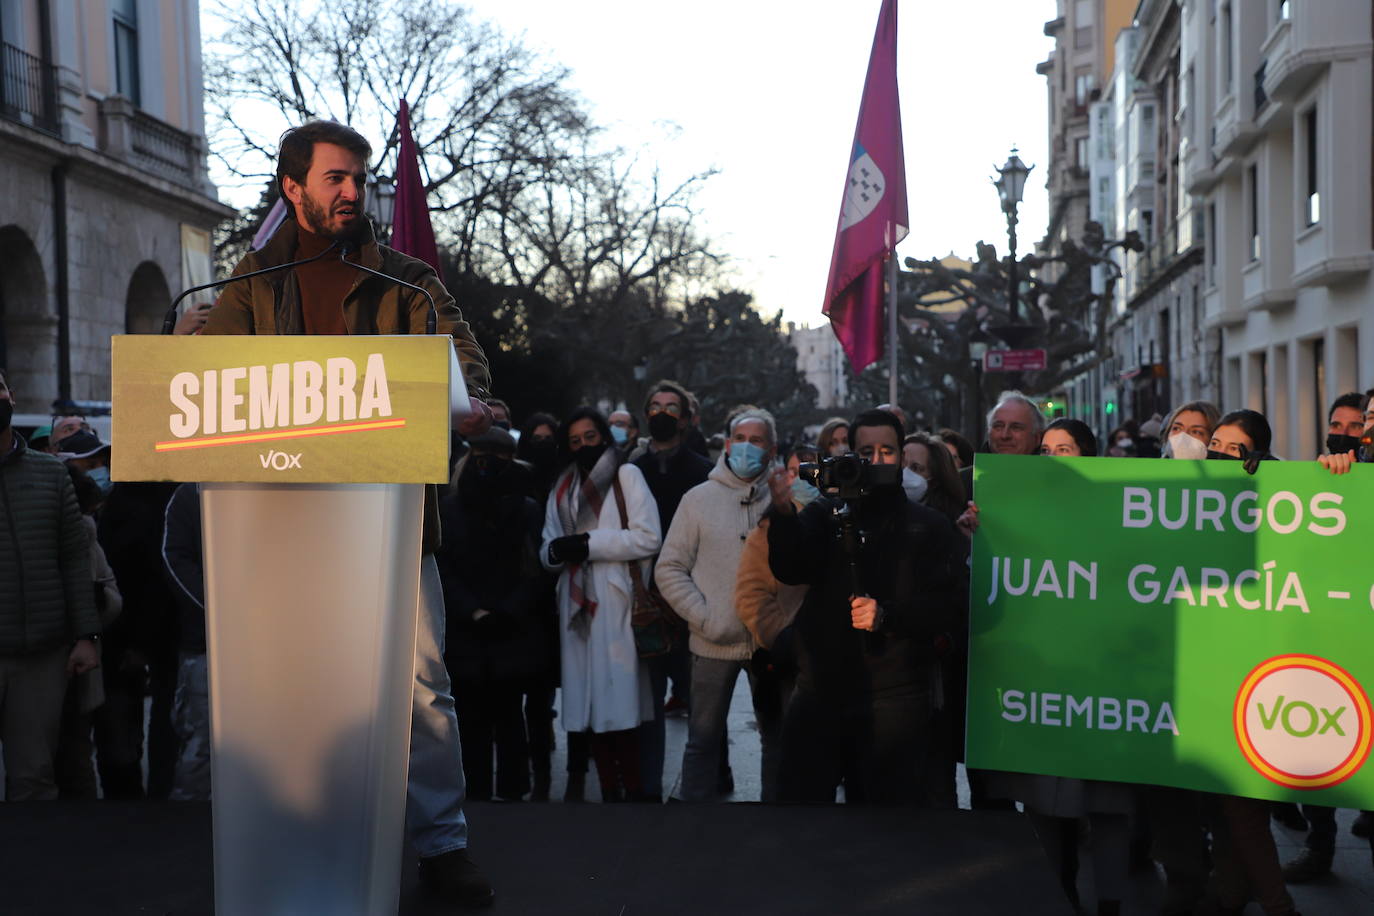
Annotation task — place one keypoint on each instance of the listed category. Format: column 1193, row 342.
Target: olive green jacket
column 271, row 304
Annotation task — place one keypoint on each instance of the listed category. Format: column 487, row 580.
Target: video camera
column 849, row 477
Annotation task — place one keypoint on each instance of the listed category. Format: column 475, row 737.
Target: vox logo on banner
column 1303, row 722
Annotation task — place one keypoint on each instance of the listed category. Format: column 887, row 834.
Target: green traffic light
column 1111, row 407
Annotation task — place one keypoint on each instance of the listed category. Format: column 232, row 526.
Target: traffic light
column 1111, row 408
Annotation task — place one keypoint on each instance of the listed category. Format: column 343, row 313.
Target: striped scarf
column 579, row 499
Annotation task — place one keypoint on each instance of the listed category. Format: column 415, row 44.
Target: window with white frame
column 125, row 24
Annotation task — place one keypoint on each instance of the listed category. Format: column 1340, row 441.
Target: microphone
column 431, row 319
column 169, row 321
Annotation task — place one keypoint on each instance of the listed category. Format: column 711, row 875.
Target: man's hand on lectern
column 476, row 422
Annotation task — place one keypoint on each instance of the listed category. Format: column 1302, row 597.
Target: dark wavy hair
column 1253, row 424
column 297, row 149
column 1081, row 433
column 582, row 413
column 527, row 428
column 961, row 445
column 877, row 417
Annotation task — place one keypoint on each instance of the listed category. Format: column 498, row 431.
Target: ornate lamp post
column 1011, row 183
column 381, row 206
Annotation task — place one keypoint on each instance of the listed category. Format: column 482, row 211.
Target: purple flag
column 873, row 214
column 411, row 232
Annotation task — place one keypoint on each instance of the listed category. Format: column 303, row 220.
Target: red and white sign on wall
column 1013, row 360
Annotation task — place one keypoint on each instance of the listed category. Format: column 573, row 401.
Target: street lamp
column 381, row 205
column 1011, row 183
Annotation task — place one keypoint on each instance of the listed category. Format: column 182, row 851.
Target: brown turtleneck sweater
column 324, row 284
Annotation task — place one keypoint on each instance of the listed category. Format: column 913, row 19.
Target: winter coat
column 488, row 561
column 909, row 561
column 700, row 557
column 765, row 606
column 130, row 530
column 605, row 685
column 670, row 479
column 184, row 565
column 46, row 598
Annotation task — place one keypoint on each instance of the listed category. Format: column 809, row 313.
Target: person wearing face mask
column 85, row 452
column 494, row 648
column 1189, row 429
column 696, row 575
column 585, row 541
column 49, row 628
column 1241, row 435
column 624, row 431
column 861, row 710
column 1345, row 423
column 833, row 439
column 670, row 468
column 538, row 448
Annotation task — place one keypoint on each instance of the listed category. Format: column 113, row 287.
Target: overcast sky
column 768, row 93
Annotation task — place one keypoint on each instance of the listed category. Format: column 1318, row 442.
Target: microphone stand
column 431, row 318
column 169, row 321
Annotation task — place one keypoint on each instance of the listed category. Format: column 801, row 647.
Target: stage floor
column 115, row 858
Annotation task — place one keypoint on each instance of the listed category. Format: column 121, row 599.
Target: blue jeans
column 191, row 717
column 713, row 683
column 436, row 788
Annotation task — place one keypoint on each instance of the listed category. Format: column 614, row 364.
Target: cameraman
column 866, row 663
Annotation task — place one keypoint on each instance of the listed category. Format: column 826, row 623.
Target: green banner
column 1175, row 623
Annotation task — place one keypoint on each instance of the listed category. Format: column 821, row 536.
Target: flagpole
column 892, row 328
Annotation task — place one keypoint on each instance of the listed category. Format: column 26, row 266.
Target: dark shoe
column 725, row 782
column 456, row 878
column 1287, row 814
column 1363, row 826
column 540, row 791
column 674, row 708
column 577, row 788
column 1308, row 866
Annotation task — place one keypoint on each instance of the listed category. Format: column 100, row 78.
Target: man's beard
column 316, row 216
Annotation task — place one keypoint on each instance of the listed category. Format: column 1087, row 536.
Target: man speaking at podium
column 322, row 170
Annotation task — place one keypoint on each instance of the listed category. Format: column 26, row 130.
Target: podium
column 312, row 454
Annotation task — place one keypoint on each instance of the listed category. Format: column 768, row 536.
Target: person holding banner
column 1055, row 805
column 322, row 171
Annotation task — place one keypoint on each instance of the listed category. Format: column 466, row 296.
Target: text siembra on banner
column 281, row 409
column 1174, row 623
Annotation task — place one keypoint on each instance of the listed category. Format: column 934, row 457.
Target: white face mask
column 1186, row 448
column 914, row 484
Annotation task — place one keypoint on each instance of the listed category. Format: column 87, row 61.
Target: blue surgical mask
column 746, row 459
column 102, row 478
column 620, row 434
column 803, row 492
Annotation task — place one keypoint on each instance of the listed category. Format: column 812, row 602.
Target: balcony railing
column 1159, row 254
column 28, row 90
column 1261, row 99
column 146, row 143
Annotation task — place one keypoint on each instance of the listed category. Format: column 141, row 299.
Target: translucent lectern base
column 311, row 599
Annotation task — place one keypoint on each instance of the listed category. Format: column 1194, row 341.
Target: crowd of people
column 577, row 573
column 591, row 576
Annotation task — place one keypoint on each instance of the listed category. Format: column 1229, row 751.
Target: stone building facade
column 105, row 206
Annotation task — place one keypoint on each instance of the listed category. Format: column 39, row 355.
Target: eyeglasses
column 673, row 410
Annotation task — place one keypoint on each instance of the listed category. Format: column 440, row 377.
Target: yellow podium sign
column 279, row 409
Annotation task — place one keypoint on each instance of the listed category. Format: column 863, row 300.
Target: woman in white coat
column 605, row 686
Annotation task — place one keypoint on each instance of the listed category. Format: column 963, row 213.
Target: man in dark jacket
column 322, row 170
column 861, row 710
column 670, row 469
column 492, row 582
column 48, row 622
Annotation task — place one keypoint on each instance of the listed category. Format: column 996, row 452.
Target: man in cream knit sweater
column 696, row 574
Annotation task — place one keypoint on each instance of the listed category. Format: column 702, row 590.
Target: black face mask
column 502, row 424
column 1222, row 456
column 587, row 456
column 663, row 427
column 6, row 414
column 1339, row 445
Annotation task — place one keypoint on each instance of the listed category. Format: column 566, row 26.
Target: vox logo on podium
column 280, row 461
column 1303, row 722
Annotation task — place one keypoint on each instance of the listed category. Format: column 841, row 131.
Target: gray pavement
column 1349, row 891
